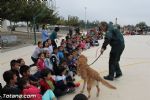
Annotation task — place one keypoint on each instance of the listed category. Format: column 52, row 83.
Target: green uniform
column 53, row 36
column 115, row 39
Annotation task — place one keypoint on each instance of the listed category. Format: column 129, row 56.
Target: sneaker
column 77, row 84
column 108, row 78
column 70, row 90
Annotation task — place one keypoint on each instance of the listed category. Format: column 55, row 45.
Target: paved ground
column 135, row 64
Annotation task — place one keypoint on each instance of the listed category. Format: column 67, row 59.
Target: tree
column 73, row 21
column 27, row 10
column 142, row 25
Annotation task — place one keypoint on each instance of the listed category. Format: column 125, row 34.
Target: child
column 55, row 60
column 40, row 65
column 27, row 89
column 21, row 61
column 61, row 81
column 10, row 88
column 49, row 95
column 61, row 53
column 45, row 46
column 50, row 48
column 71, row 63
column 40, row 62
column 25, row 72
column 83, row 44
column 69, row 47
column 36, row 52
column 47, row 82
column 63, row 43
column 69, row 74
column 15, row 68
column 48, row 63
column 80, row 96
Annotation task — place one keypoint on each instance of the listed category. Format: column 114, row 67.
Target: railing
column 3, row 42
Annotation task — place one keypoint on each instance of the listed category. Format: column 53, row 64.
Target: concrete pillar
column 5, row 24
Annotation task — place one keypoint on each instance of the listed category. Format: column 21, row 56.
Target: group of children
column 56, row 68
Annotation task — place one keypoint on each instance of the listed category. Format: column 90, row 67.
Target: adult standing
column 70, row 31
column 53, row 36
column 44, row 33
column 115, row 39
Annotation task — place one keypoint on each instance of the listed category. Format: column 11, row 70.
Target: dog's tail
column 107, row 84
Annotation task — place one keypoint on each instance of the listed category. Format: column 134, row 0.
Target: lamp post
column 85, row 17
column 116, row 20
column 34, row 25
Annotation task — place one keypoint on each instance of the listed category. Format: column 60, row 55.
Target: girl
column 40, row 62
column 50, row 48
column 47, row 61
column 40, row 65
column 45, row 46
column 21, row 61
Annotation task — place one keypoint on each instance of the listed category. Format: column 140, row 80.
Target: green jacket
column 53, row 35
column 113, row 37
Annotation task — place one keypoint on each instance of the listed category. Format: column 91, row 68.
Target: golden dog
column 90, row 76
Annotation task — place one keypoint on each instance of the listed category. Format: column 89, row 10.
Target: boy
column 15, row 68
column 36, row 52
column 10, row 88
column 25, row 72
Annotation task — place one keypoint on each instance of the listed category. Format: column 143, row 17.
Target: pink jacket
column 33, row 93
column 82, row 44
column 40, row 64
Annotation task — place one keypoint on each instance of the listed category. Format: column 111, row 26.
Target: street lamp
column 85, row 17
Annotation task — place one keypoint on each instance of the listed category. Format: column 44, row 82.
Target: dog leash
column 95, row 60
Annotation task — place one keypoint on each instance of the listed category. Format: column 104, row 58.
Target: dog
column 90, row 76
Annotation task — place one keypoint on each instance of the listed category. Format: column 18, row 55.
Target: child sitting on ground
column 48, row 63
column 21, row 61
column 36, row 52
column 10, row 88
column 27, row 89
column 45, row 46
column 69, row 74
column 25, row 72
column 80, row 96
column 61, row 53
column 40, row 62
column 15, row 68
column 47, row 82
column 62, row 82
column 71, row 63
column 40, row 65
column 50, row 48
column 55, row 60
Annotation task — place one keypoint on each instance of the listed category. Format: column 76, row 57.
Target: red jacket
column 40, row 64
column 32, row 90
column 44, row 85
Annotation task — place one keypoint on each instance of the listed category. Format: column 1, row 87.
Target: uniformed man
column 115, row 39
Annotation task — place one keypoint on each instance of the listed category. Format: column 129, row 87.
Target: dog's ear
column 82, row 61
column 82, row 56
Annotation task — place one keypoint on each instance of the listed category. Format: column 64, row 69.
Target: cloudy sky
column 126, row 11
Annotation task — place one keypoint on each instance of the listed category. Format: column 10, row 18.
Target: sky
column 126, row 11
